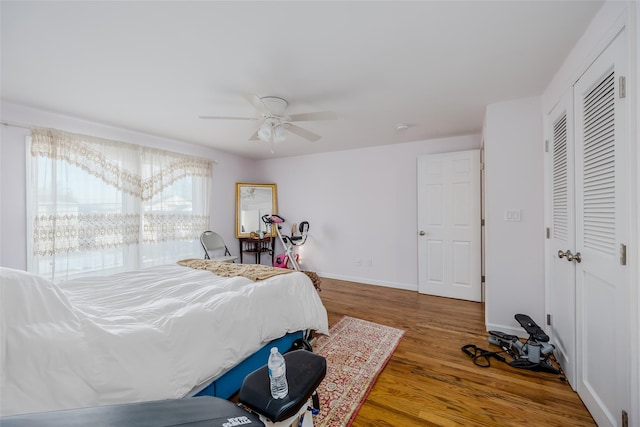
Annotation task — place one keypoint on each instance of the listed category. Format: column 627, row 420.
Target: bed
column 159, row 333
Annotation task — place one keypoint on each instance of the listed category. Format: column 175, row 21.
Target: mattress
column 152, row 334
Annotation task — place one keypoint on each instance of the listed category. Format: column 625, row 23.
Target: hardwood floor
column 429, row 381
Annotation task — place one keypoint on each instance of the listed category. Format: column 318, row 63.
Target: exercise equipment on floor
column 297, row 238
column 535, row 353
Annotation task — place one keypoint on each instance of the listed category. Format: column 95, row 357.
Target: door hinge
column 623, row 254
column 625, row 419
column 623, row 87
column 482, row 279
column 546, row 145
column 548, row 319
column 482, row 222
column 548, row 233
column 481, row 166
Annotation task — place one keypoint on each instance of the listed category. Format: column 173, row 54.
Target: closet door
column 562, row 294
column 602, row 315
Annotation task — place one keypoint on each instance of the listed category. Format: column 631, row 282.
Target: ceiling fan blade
column 257, row 103
column 227, row 118
column 303, row 132
column 318, row 115
column 254, row 137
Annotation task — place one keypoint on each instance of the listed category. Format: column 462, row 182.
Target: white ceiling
column 155, row 66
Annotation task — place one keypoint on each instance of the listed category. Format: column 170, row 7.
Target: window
column 100, row 207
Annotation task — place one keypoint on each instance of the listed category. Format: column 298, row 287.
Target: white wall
column 361, row 206
column 514, row 259
column 229, row 170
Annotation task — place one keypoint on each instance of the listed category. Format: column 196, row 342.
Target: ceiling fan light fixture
column 272, row 131
column 265, row 133
column 279, row 133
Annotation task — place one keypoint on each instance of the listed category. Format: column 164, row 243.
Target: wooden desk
column 257, row 247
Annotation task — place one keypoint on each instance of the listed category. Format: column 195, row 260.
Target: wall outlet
column 369, row 262
column 358, row 262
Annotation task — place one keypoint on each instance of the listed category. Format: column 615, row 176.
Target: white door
column 602, row 315
column 449, row 225
column 562, row 294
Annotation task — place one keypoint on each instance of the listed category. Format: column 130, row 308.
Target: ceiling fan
column 274, row 124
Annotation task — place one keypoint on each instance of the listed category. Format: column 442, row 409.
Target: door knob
column 577, row 257
column 422, row 233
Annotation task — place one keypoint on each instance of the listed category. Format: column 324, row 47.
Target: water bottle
column 278, row 374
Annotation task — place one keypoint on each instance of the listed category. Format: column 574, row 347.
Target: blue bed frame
column 229, row 384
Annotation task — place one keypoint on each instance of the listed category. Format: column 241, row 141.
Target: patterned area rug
column 356, row 351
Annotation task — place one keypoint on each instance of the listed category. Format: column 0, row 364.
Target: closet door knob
column 422, row 233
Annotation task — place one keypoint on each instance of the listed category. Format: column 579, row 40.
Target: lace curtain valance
column 118, row 163
column 109, row 206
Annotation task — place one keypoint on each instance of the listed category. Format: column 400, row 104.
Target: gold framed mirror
column 252, row 202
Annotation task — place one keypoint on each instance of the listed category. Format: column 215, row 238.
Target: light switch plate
column 512, row 215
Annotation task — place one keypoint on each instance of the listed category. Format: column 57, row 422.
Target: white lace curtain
column 100, row 206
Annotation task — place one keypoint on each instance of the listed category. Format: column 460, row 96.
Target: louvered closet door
column 602, row 316
column 562, row 238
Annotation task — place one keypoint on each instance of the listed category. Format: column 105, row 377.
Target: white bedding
column 147, row 335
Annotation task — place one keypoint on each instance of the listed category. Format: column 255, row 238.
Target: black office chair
column 215, row 248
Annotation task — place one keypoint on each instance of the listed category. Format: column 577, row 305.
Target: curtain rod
column 17, row 125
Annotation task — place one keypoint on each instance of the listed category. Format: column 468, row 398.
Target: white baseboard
column 368, row 281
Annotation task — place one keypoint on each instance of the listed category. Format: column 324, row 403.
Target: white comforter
column 152, row 334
